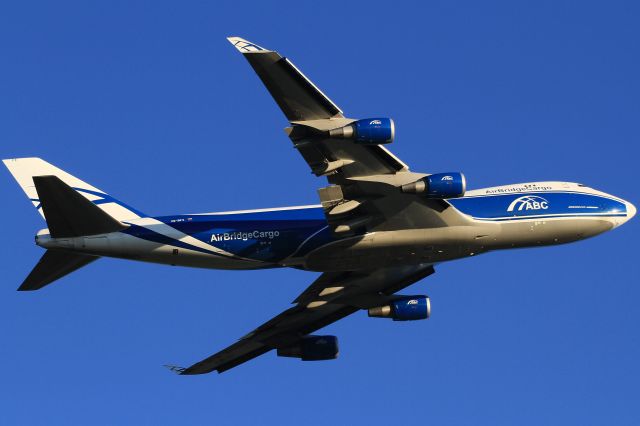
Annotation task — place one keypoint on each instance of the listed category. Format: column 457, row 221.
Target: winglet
column 245, row 46
column 176, row 369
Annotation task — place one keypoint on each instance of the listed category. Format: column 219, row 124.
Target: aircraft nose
column 629, row 213
column 631, row 210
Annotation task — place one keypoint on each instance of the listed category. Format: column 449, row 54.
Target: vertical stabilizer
column 69, row 214
column 23, row 170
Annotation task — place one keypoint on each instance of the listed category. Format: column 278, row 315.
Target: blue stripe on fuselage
column 520, row 206
column 273, row 235
column 150, row 235
column 268, row 236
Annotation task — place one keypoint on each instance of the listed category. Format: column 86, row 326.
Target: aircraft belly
column 400, row 247
column 201, row 260
column 125, row 246
column 531, row 233
column 448, row 243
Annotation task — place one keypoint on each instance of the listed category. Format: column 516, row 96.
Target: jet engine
column 369, row 131
column 438, row 185
column 312, row 348
column 404, row 308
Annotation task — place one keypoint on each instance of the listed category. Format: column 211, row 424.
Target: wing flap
column 291, row 325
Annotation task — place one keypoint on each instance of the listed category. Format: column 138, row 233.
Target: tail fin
column 24, row 169
column 54, row 265
column 68, row 214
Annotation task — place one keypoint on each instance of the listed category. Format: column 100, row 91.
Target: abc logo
column 528, row 202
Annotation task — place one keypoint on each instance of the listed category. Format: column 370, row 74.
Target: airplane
column 378, row 229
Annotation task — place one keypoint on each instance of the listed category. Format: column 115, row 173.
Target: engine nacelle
column 368, row 131
column 438, row 185
column 312, row 348
column 404, row 308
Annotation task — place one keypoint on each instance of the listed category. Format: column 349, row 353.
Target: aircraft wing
column 365, row 179
column 331, row 297
column 311, row 113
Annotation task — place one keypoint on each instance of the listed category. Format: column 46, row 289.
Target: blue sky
column 148, row 101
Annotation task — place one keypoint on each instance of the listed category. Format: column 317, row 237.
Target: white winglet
column 245, row 46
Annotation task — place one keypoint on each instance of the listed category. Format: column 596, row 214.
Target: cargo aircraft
column 378, row 229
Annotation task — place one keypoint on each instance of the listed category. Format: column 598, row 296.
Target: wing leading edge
column 298, row 98
column 330, row 298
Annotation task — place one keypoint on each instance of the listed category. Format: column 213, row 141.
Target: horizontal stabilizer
column 54, row 265
column 69, row 214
